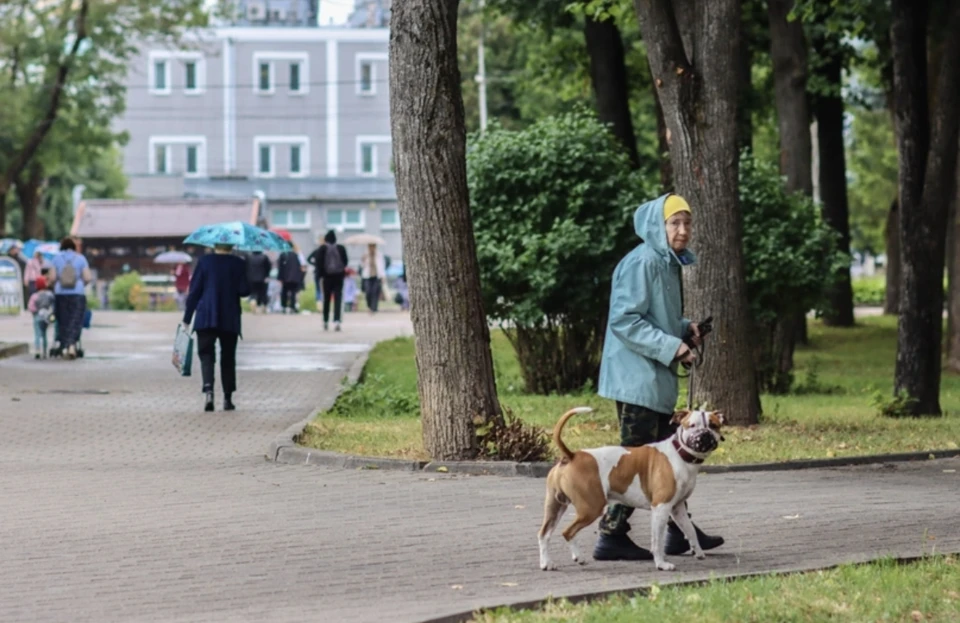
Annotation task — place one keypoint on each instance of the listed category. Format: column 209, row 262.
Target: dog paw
column 548, row 566
column 699, row 555
column 580, row 561
column 666, row 566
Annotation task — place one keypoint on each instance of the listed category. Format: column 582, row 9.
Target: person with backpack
column 258, row 271
column 41, row 305
column 329, row 262
column 70, row 274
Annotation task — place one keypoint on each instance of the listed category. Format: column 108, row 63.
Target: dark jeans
column 69, row 310
column 288, row 295
column 371, row 287
column 332, row 289
column 207, row 350
column 638, row 427
column 258, row 290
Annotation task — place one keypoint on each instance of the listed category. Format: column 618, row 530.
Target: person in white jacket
column 374, row 271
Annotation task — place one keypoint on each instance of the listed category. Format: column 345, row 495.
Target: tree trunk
column 663, row 145
column 608, row 73
column 454, row 364
column 788, row 51
column 928, row 158
column 833, row 180
column 699, row 99
column 953, row 283
column 891, row 298
column 28, row 192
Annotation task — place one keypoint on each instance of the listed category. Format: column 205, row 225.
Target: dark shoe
column 208, row 405
column 228, row 403
column 677, row 543
column 619, row 547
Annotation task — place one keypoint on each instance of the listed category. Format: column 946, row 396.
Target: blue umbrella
column 242, row 236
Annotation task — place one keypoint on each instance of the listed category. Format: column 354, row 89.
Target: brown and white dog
column 658, row 476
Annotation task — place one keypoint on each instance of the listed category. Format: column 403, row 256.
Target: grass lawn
column 833, row 413
column 928, row 590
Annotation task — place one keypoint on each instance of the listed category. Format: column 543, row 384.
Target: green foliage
column 373, row 392
column 790, row 253
column 551, row 208
column 872, row 166
column 899, row 406
column 126, row 292
column 869, row 291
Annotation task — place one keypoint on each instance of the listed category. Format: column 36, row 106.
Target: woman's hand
column 685, row 355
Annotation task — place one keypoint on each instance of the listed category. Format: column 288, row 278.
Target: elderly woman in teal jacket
column 642, row 350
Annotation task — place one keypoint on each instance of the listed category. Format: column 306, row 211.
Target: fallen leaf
column 916, row 615
column 456, row 587
column 443, row 469
column 797, row 516
column 431, row 480
column 654, row 591
column 953, row 594
column 509, row 584
column 519, row 506
column 949, row 471
column 842, row 446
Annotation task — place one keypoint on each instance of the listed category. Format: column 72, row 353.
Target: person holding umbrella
column 219, row 283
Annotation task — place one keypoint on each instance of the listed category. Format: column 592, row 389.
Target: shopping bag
column 183, row 351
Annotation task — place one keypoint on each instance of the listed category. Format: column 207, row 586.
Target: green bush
column 126, row 293
column 791, row 259
column 551, row 206
column 869, row 291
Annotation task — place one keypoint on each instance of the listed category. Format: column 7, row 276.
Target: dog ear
column 721, row 418
column 678, row 416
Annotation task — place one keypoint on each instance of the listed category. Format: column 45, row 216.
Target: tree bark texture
column 891, row 298
column 608, row 73
column 454, row 364
column 927, row 146
column 698, row 93
column 833, row 186
column 663, row 145
column 953, row 283
column 29, row 189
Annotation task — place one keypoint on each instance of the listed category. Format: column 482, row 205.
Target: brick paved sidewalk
column 133, row 505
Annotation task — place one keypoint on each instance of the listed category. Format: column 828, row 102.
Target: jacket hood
column 651, row 228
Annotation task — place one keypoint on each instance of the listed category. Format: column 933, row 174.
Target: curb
column 644, row 589
column 12, row 349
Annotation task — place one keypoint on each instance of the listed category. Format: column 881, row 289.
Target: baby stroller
column 57, row 350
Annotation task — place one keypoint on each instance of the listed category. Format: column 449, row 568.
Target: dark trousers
column 288, row 295
column 207, row 350
column 638, row 427
column 332, row 289
column 371, row 287
column 69, row 310
column 258, row 290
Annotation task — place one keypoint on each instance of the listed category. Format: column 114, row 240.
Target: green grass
column 839, row 375
column 928, row 590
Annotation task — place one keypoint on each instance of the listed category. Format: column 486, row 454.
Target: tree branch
column 43, row 128
column 662, row 37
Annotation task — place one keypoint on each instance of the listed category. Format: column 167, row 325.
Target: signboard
column 11, row 287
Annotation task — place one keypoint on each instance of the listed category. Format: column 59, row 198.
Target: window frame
column 186, row 76
column 390, row 226
column 373, row 141
column 167, row 142
column 371, row 59
column 343, row 225
column 288, row 223
column 271, row 58
column 299, row 66
column 154, row 62
column 196, row 160
column 272, row 141
column 155, row 150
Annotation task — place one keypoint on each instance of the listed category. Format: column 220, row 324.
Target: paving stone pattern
column 120, row 500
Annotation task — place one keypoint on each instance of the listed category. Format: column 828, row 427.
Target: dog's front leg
column 659, row 516
column 682, row 519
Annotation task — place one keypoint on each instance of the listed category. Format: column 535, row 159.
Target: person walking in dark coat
column 330, row 264
column 290, row 274
column 218, row 284
column 258, row 271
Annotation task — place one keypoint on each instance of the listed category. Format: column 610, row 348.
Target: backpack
column 67, row 276
column 45, row 304
column 333, row 261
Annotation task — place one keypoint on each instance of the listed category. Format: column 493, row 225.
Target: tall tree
column 927, row 144
column 454, row 365
column 693, row 49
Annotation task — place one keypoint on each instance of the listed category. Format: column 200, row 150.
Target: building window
column 366, row 77
column 368, row 159
column 295, row 166
column 160, row 82
column 347, row 219
column 292, row 219
column 389, row 218
column 264, row 79
column 295, row 77
column 190, row 77
column 265, row 165
column 192, row 162
column 161, row 159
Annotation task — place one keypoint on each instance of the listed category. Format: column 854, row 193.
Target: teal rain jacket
column 646, row 318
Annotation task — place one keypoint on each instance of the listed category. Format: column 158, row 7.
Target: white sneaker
column 336, row 327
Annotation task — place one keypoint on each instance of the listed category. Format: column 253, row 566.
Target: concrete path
column 121, row 501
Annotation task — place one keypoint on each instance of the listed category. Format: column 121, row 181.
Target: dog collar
column 684, row 453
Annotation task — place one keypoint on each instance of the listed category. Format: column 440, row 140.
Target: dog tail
column 568, row 455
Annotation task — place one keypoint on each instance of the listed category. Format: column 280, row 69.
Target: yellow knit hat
column 674, row 204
